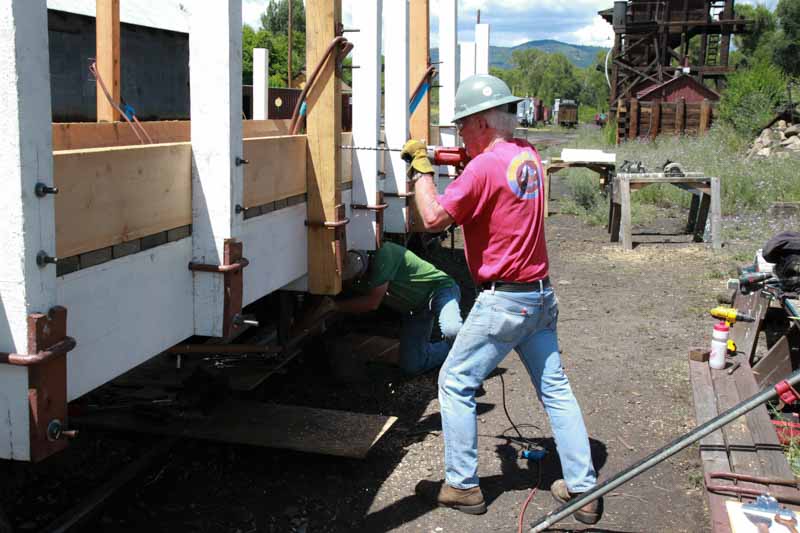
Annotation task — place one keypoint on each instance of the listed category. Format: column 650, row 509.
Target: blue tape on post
column 418, row 98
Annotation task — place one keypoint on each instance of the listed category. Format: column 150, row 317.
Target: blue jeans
column 498, row 323
column 417, row 353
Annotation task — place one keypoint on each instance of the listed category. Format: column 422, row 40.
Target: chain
column 374, row 149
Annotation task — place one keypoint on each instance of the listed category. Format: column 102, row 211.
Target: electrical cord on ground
column 528, row 445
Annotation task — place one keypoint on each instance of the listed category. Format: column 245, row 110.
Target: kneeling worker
column 398, row 278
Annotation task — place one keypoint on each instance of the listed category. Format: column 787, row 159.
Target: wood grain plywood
column 112, row 195
column 277, row 169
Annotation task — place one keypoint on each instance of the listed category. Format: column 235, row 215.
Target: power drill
column 730, row 316
column 454, row 156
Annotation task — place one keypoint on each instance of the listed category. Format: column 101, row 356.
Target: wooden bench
column 705, row 190
column 748, row 445
column 601, row 162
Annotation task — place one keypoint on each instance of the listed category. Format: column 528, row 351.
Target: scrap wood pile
column 750, row 463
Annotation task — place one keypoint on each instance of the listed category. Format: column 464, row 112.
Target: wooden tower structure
column 657, row 40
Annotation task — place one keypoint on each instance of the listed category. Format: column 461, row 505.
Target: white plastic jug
column 719, row 346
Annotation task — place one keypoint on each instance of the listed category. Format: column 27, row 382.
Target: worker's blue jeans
column 417, row 353
column 498, row 323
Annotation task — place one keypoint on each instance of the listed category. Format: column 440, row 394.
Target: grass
column 748, row 186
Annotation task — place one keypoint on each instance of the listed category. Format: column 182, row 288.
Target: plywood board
column 277, row 169
column 111, row 195
column 304, row 429
column 78, row 135
column 126, row 311
column 346, row 157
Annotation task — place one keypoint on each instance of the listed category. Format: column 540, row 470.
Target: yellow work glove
column 416, row 155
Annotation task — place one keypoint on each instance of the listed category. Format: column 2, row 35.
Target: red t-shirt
column 499, row 202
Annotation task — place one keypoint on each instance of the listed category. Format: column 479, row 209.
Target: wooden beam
column 680, row 116
column 324, row 128
column 107, row 55
column 81, row 135
column 705, row 116
column 111, row 195
column 418, row 61
column 655, row 118
column 633, row 120
column 277, row 169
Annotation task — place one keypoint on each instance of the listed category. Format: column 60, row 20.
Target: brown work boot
column 439, row 493
column 588, row 514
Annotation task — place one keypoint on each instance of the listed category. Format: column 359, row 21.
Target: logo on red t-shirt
column 523, row 176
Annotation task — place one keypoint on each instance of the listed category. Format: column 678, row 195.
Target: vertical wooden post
column 418, row 60
column 622, row 113
column 725, row 41
column 633, row 119
column 363, row 231
column 396, row 113
column 215, row 77
column 107, row 57
column 716, row 214
column 680, row 116
column 260, row 83
column 28, row 221
column 324, row 104
column 481, row 48
column 467, row 63
column 655, row 118
column 625, row 208
column 705, row 116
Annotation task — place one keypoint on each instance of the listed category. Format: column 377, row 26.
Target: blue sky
column 512, row 21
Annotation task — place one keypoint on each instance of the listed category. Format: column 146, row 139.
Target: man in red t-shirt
column 499, row 200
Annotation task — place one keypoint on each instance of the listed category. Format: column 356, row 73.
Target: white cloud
column 598, row 33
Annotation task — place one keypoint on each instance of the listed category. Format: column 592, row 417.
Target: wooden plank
column 712, row 447
column 705, row 116
column 277, row 169
column 680, row 116
column 79, row 135
column 304, row 429
column 633, row 124
column 655, row 119
column 324, row 154
column 346, row 160
column 625, row 212
column 107, row 30
column 777, row 363
column 716, row 214
column 112, row 195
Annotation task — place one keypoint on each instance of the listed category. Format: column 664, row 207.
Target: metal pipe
column 659, row 455
column 59, row 348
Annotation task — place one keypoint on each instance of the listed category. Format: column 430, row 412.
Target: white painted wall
column 361, row 232
column 395, row 46
column 448, row 79
column 260, row 84
column 467, row 63
column 215, row 51
column 481, row 48
column 28, row 222
column 125, row 311
column 276, row 244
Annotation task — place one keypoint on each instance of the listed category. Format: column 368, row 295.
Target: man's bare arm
column 434, row 216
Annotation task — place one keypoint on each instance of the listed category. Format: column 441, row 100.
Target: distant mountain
column 500, row 56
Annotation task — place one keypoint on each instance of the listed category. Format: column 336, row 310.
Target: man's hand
column 416, row 154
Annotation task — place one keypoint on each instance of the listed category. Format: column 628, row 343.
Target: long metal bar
column 659, row 455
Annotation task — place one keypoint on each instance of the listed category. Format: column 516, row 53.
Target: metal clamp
column 41, row 190
column 239, row 209
column 219, row 269
column 59, row 348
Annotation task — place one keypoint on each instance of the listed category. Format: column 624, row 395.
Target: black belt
column 517, row 286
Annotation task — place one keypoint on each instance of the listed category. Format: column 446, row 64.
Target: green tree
column 764, row 24
column 276, row 18
column 752, row 96
column 786, row 43
column 277, row 42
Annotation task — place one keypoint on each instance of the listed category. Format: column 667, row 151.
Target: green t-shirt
column 412, row 281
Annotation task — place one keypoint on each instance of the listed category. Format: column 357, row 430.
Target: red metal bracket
column 231, row 269
column 378, row 209
column 786, row 392
column 339, row 226
column 46, row 361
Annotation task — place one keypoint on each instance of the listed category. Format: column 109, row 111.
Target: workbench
column 601, row 162
column 749, row 445
column 705, row 194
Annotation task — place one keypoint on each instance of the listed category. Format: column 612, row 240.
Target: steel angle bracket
column 231, row 269
column 378, row 209
column 48, row 345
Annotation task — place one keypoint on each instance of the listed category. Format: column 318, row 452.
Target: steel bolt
column 42, row 259
column 41, row 190
column 241, row 161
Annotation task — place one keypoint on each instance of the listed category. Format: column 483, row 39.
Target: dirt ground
column 625, row 324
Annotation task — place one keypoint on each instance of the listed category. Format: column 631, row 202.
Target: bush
column 752, row 96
